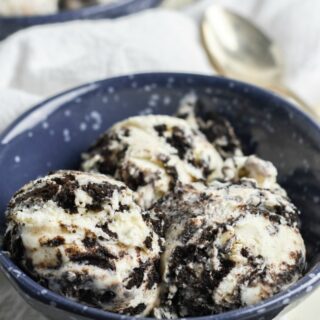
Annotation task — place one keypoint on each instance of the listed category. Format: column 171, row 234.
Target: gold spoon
column 238, row 49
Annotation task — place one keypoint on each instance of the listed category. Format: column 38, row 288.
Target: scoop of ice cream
column 217, row 129
column 264, row 173
column 83, row 236
column 152, row 153
column 77, row 4
column 227, row 246
column 27, row 7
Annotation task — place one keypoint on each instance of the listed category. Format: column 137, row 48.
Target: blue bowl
column 53, row 134
column 9, row 25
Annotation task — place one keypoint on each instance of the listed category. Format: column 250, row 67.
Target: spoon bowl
column 240, row 50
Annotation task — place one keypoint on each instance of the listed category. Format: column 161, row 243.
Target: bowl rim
column 31, row 288
column 84, row 12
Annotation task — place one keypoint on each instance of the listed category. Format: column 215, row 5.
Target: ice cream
column 191, row 226
column 83, row 236
column 152, row 153
column 42, row 7
column 263, row 172
column 28, row 7
column 78, row 4
column 217, row 129
column 227, row 246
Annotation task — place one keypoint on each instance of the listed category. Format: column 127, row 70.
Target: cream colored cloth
column 42, row 61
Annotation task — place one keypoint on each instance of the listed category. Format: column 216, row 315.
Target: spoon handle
column 285, row 91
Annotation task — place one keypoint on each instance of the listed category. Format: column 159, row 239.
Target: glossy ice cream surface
column 191, row 226
column 43, row 7
column 82, row 235
column 152, row 153
column 28, row 7
column 227, row 246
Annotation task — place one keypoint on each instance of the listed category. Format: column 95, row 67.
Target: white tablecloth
column 42, row 61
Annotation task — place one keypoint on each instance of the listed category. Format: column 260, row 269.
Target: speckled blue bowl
column 9, row 25
column 53, row 134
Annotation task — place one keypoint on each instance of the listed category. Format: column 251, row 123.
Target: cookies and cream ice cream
column 150, row 154
column 28, row 7
column 78, row 4
column 263, row 172
column 82, row 235
column 195, row 227
column 43, row 7
column 217, row 129
column 227, row 245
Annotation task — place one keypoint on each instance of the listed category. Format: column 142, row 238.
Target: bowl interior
column 53, row 135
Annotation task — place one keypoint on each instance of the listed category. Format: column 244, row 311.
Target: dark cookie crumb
column 216, row 128
column 80, row 286
column 179, row 141
column 135, row 310
column 29, row 265
column 123, row 207
column 58, row 189
column 136, row 276
column 97, row 256
column 12, row 242
column 133, row 181
column 99, row 194
column 173, row 173
column 55, row 242
column 148, row 242
column 157, row 223
column 154, row 274
column 108, row 163
column 126, row 132
column 160, row 128
column 188, row 232
column 44, row 193
column 59, row 259
column 65, row 198
column 244, row 252
column 105, row 229
column 107, row 296
column 90, row 239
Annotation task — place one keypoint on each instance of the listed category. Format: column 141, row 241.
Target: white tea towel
column 42, row 61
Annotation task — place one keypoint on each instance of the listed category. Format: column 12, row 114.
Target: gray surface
column 12, row 306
